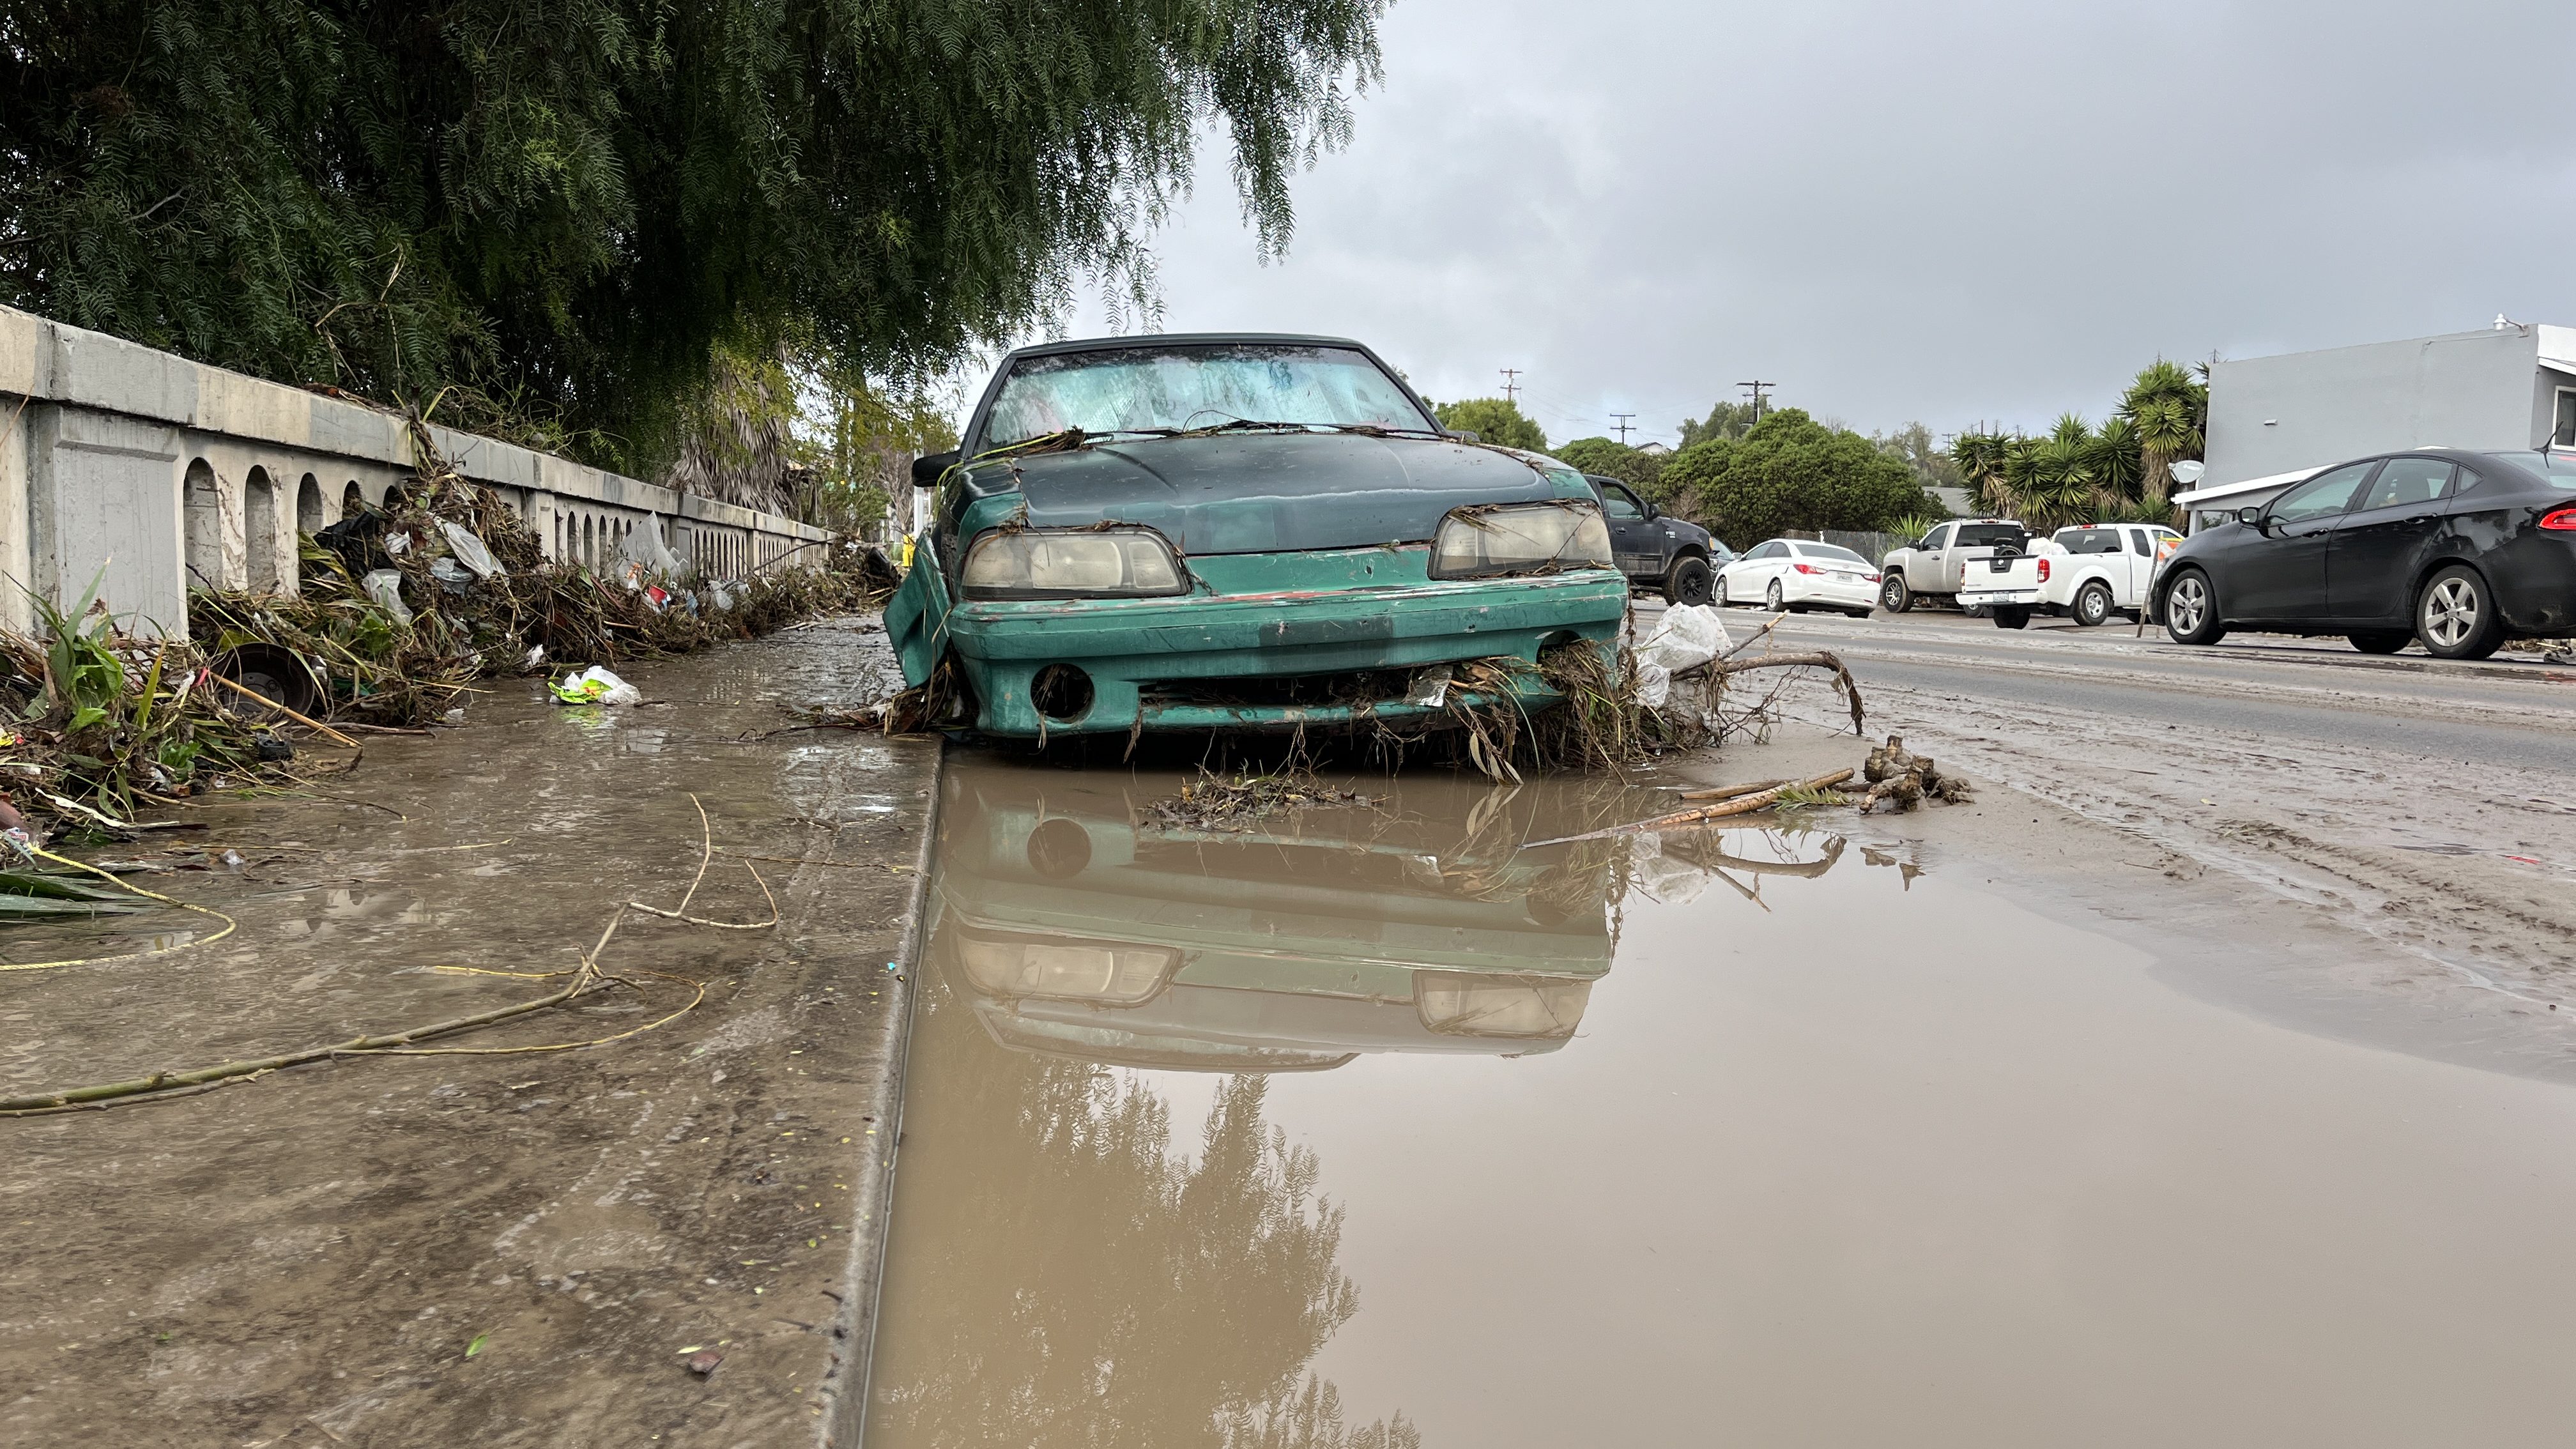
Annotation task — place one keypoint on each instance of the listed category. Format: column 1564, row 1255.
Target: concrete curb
column 844, row 1424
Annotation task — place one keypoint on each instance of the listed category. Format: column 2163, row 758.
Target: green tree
column 1983, row 459
column 855, row 442
column 1495, row 420
column 556, row 213
column 1914, row 446
column 1791, row 472
column 1640, row 470
column 1725, row 420
column 2169, row 407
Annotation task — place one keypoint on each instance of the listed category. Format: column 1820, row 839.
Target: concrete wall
column 2271, row 415
column 152, row 473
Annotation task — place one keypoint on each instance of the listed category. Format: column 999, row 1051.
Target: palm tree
column 2169, row 406
column 1980, row 458
column 2117, row 463
column 2060, row 486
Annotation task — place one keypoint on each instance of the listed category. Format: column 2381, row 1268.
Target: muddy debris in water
column 591, row 977
column 1220, row 802
column 1904, row 779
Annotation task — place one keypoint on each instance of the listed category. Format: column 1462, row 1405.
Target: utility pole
column 1754, row 390
column 1511, row 385
column 1623, row 427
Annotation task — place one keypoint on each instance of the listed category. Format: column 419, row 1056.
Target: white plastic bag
column 469, row 550
column 643, row 548
column 1686, row 636
column 385, row 587
column 596, row 685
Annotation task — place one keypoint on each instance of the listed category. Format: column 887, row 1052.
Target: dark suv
column 1656, row 549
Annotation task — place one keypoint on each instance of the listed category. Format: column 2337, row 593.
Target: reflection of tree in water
column 1077, row 1283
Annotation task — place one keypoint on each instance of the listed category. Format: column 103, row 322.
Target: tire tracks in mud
column 2467, row 867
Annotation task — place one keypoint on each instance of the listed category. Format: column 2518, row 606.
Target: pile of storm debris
column 1891, row 775
column 1687, row 687
column 400, row 610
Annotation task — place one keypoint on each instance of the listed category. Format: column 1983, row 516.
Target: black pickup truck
column 1655, row 549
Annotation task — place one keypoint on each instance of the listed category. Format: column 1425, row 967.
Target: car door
column 2277, row 571
column 2372, row 560
column 1634, row 541
column 2131, row 580
column 1748, row 576
column 1923, row 569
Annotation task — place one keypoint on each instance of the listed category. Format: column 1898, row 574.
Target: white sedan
column 1792, row 573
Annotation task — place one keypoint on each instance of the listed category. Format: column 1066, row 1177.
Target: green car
column 1239, row 531
column 1071, row 928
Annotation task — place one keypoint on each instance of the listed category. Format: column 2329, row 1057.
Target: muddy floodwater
column 1367, row 1126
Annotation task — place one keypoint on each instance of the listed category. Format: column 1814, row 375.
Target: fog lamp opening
column 1061, row 692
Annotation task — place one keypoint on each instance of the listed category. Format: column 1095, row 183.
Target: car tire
column 2456, row 617
column 1688, row 582
column 2381, row 641
column 1894, row 596
column 1771, row 598
column 2190, row 609
column 2011, row 616
column 2093, row 604
column 1860, row 613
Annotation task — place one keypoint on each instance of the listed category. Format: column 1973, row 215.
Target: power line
column 1511, row 384
column 1754, row 388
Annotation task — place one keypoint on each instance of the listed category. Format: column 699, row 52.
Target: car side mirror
column 2252, row 518
column 926, row 469
column 1464, row 435
column 1652, row 512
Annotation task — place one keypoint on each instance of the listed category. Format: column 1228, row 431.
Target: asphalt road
column 2511, row 710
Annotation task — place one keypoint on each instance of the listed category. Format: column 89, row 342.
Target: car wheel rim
column 2451, row 612
column 1773, row 597
column 1889, row 595
column 2189, row 602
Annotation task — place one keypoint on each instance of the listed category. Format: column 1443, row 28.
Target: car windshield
column 2559, row 469
column 1987, row 535
column 1164, row 389
column 1828, row 551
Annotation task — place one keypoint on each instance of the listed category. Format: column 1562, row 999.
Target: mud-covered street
column 1987, row 1124
column 2425, row 809
column 489, row 1243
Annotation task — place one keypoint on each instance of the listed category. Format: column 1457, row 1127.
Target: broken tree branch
column 1741, row 805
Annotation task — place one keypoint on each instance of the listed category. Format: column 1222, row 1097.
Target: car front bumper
column 1280, row 641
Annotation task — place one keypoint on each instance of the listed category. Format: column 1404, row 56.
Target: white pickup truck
column 1930, row 572
column 2085, row 573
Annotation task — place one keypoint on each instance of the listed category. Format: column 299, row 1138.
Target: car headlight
column 1054, row 563
column 1520, row 538
column 1107, row 973
column 1464, row 1003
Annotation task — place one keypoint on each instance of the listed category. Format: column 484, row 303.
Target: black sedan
column 2460, row 550
column 1656, row 550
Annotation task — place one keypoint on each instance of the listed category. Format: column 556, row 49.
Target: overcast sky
column 1904, row 210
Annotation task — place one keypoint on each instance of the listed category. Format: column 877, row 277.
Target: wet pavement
column 512, row 1248
column 1365, row 1127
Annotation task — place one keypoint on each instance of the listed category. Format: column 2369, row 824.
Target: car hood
column 1270, row 492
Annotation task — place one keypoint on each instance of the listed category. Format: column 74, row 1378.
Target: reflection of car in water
column 1295, row 945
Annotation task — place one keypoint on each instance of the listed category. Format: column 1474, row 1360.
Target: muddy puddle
column 1365, row 1127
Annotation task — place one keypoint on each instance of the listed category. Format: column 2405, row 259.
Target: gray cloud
column 1947, row 212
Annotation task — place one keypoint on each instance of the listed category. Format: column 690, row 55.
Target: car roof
column 1177, row 339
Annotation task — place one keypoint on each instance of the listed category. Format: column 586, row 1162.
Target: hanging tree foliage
column 556, row 210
